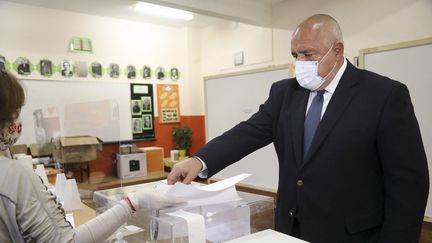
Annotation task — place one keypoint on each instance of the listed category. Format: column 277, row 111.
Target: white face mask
column 10, row 134
column 307, row 73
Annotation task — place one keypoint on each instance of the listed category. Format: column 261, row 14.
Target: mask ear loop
column 333, row 65
column 331, row 47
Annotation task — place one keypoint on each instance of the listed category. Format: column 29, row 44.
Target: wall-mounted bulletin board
column 234, row 97
column 408, row 62
column 168, row 103
column 142, row 112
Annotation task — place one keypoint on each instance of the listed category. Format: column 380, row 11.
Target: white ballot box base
column 266, row 236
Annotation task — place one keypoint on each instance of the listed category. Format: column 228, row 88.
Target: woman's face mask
column 10, row 134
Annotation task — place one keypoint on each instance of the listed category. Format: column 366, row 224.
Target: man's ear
column 339, row 49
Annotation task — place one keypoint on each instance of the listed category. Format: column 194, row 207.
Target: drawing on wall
column 96, row 70
column 160, row 73
column 174, row 74
column 114, row 70
column 146, row 72
column 66, row 69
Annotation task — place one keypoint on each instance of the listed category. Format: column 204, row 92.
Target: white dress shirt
column 330, row 89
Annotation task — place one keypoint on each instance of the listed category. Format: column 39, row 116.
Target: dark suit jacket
column 365, row 177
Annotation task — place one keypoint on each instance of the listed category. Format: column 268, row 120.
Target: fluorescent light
column 161, row 11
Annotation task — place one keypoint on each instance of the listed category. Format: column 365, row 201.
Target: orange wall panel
column 163, row 139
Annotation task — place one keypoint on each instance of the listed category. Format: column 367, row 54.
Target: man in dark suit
column 352, row 166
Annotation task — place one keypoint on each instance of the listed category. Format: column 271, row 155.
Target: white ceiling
column 207, row 12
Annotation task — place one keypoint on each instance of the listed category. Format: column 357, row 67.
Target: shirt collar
column 334, row 83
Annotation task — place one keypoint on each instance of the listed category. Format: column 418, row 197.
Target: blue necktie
column 312, row 120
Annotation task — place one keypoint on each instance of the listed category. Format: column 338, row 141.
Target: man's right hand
column 185, row 171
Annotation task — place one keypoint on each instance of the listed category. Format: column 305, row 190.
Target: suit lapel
column 339, row 102
column 298, row 108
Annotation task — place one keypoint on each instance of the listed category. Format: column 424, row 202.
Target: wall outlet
column 238, row 58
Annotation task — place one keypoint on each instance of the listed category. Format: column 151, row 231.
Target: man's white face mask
column 307, row 73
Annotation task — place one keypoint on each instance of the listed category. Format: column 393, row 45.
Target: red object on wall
column 163, row 139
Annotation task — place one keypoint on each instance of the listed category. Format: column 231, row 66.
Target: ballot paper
column 195, row 225
column 194, row 194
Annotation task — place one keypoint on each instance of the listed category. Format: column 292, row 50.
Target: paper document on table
column 218, row 192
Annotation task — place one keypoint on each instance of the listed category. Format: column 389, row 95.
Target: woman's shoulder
column 12, row 171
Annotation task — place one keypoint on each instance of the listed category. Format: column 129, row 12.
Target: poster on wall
column 168, row 103
column 142, row 111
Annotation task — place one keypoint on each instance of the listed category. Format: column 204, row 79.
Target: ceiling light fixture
column 161, row 11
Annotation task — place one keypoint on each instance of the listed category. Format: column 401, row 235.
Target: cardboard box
column 124, row 150
column 135, row 150
column 18, row 149
column 131, row 165
column 155, row 156
column 41, row 150
column 76, row 149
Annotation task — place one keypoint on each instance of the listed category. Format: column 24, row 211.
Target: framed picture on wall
column 136, row 107
column 174, row 74
column 2, row 63
column 146, row 104
column 96, row 70
column 160, row 73
column 137, row 125
column 23, row 66
column 114, row 70
column 81, row 69
column 147, row 122
column 131, row 72
column 146, row 72
column 66, row 69
column 45, row 66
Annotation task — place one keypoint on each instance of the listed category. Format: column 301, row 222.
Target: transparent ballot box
column 223, row 221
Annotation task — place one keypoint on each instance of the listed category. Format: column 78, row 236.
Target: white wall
column 38, row 33
column 365, row 23
column 44, row 33
column 220, row 42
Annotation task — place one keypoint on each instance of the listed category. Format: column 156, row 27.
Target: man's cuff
column 204, row 172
